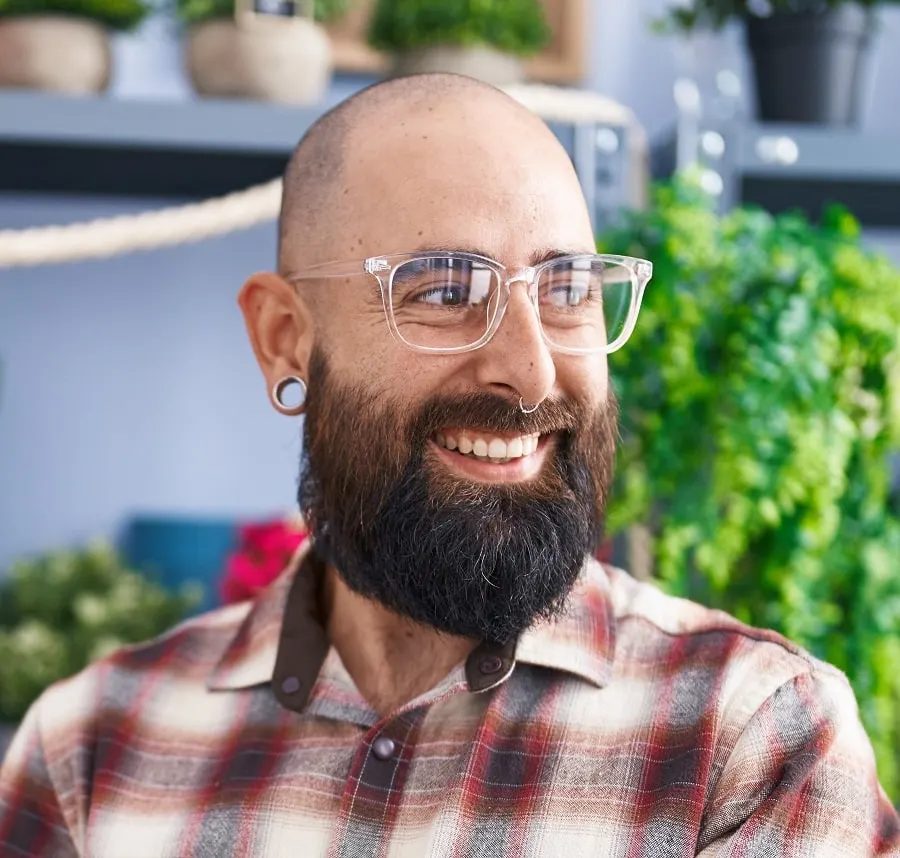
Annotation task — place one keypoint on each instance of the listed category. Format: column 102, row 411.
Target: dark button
column 490, row 664
column 291, row 685
column 384, row 748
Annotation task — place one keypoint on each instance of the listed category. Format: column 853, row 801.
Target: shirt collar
column 283, row 642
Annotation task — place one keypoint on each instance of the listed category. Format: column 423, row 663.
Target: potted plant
column 808, row 56
column 63, row 610
column 760, row 403
column 274, row 50
column 479, row 39
column 62, row 45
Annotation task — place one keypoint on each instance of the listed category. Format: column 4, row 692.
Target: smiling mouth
column 487, row 447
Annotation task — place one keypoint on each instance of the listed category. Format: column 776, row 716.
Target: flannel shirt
column 636, row 725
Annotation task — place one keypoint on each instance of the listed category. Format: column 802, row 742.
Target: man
column 445, row 672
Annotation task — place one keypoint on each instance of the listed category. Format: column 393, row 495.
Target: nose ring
column 525, row 410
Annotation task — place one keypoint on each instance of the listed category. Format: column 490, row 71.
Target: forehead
column 465, row 178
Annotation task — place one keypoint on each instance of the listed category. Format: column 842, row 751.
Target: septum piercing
column 525, row 410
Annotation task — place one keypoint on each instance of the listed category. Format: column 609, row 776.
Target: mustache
column 493, row 412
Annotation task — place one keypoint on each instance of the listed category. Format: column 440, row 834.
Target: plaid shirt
column 636, row 725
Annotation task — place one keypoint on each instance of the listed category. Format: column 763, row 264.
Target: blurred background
column 761, row 395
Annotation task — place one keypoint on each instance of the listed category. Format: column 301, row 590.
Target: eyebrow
column 539, row 256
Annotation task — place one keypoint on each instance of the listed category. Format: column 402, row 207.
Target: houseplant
column 62, row 45
column 60, row 611
column 760, row 409
column 268, row 49
column 808, row 56
column 482, row 39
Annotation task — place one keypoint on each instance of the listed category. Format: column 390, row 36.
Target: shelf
column 783, row 167
column 181, row 149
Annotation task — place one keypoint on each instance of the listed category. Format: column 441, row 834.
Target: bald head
column 351, row 167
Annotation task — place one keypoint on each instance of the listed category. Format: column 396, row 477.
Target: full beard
column 476, row 560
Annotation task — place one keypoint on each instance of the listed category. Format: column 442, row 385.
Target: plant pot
column 478, row 61
column 274, row 59
column 809, row 66
column 54, row 52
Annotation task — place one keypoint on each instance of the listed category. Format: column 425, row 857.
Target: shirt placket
column 374, row 790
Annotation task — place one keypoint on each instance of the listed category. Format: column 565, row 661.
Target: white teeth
column 497, row 449
column 490, row 449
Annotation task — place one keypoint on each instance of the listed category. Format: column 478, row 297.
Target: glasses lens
column 444, row 302
column 585, row 303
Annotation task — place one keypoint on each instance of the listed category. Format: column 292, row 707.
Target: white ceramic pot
column 277, row 59
column 478, row 61
column 54, row 52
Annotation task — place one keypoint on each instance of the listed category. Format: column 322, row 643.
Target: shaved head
column 316, row 221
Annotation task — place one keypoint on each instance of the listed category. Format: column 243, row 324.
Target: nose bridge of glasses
column 527, row 277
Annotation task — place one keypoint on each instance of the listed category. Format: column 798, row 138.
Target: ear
column 280, row 326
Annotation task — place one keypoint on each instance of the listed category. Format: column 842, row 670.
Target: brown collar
column 282, row 639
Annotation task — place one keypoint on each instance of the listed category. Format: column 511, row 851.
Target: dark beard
column 477, row 560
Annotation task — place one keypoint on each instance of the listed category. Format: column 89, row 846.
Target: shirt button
column 383, row 748
column 490, row 664
column 291, row 685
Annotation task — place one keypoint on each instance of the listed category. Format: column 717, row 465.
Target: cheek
column 584, row 378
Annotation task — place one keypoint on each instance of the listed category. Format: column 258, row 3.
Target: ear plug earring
column 293, row 404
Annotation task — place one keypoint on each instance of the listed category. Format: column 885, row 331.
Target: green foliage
column 60, row 612
column 114, row 14
column 760, row 403
column 715, row 14
column 197, row 11
column 515, row 26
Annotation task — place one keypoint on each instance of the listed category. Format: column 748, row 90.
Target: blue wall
column 128, row 386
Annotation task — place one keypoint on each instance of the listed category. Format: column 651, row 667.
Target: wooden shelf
column 181, row 149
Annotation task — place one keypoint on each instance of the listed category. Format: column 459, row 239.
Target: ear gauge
column 289, row 395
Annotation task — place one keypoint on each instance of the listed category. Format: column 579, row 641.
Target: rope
column 127, row 233
column 166, row 227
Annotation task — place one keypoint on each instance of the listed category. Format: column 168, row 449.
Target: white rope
column 127, row 233
column 113, row 236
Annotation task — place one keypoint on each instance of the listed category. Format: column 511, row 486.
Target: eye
column 445, row 295
column 567, row 286
column 440, row 282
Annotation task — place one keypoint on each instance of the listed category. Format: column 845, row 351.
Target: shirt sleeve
column 32, row 822
column 800, row 781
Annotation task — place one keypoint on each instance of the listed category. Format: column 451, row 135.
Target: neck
column 391, row 659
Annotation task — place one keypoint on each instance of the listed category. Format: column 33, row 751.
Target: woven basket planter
column 279, row 60
column 54, row 52
column 481, row 62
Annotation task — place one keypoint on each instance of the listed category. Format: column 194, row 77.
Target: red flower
column 264, row 551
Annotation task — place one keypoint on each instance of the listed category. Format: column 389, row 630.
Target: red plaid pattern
column 636, row 725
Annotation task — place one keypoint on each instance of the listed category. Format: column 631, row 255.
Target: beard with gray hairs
column 477, row 560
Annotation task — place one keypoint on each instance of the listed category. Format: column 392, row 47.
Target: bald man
column 444, row 670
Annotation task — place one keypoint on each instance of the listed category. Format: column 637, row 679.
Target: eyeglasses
column 449, row 302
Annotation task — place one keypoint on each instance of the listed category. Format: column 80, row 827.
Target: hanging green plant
column 760, row 401
column 514, row 26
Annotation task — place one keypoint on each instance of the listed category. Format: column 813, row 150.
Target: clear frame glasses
column 448, row 302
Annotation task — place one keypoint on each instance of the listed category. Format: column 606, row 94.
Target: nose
column 517, row 361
